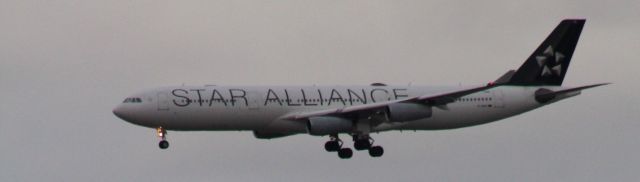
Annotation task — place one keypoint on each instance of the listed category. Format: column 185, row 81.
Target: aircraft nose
column 120, row 112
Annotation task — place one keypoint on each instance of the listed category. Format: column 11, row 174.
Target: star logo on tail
column 551, row 62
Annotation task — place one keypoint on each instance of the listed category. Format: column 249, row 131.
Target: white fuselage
column 262, row 108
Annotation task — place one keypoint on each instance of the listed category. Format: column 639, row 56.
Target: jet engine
column 269, row 135
column 401, row 112
column 325, row 125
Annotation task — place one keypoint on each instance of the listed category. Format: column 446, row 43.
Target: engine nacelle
column 326, row 125
column 401, row 112
column 269, row 135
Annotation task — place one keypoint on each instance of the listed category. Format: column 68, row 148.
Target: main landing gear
column 360, row 142
column 335, row 145
column 162, row 133
column 365, row 142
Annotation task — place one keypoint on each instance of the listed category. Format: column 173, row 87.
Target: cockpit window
column 132, row 100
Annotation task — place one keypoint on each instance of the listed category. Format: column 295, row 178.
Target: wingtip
column 575, row 19
column 578, row 21
column 595, row 85
column 602, row 84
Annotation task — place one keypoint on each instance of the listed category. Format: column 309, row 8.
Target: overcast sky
column 64, row 64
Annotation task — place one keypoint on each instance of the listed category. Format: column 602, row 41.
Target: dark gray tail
column 549, row 63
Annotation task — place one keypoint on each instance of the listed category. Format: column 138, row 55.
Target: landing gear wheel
column 332, row 146
column 163, row 144
column 362, row 144
column 376, row 151
column 345, row 153
column 162, row 134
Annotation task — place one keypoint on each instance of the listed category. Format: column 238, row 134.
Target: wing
column 436, row 99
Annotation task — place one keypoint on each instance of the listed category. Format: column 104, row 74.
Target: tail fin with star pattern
column 549, row 63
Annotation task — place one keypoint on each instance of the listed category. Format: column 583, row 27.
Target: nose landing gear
column 162, row 133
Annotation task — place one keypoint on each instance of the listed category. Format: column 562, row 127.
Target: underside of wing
column 435, row 99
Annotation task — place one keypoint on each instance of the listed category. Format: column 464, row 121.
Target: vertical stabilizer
column 549, row 62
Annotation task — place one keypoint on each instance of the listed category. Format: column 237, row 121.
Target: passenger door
column 498, row 98
column 163, row 101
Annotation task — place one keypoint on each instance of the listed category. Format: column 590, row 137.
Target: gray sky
column 64, row 64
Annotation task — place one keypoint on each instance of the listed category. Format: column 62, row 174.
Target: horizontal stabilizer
column 545, row 95
column 579, row 88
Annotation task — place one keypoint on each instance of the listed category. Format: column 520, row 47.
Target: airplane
column 359, row 110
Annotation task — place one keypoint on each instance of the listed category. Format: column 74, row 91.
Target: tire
column 332, row 146
column 345, row 153
column 163, row 144
column 376, row 151
column 362, row 144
